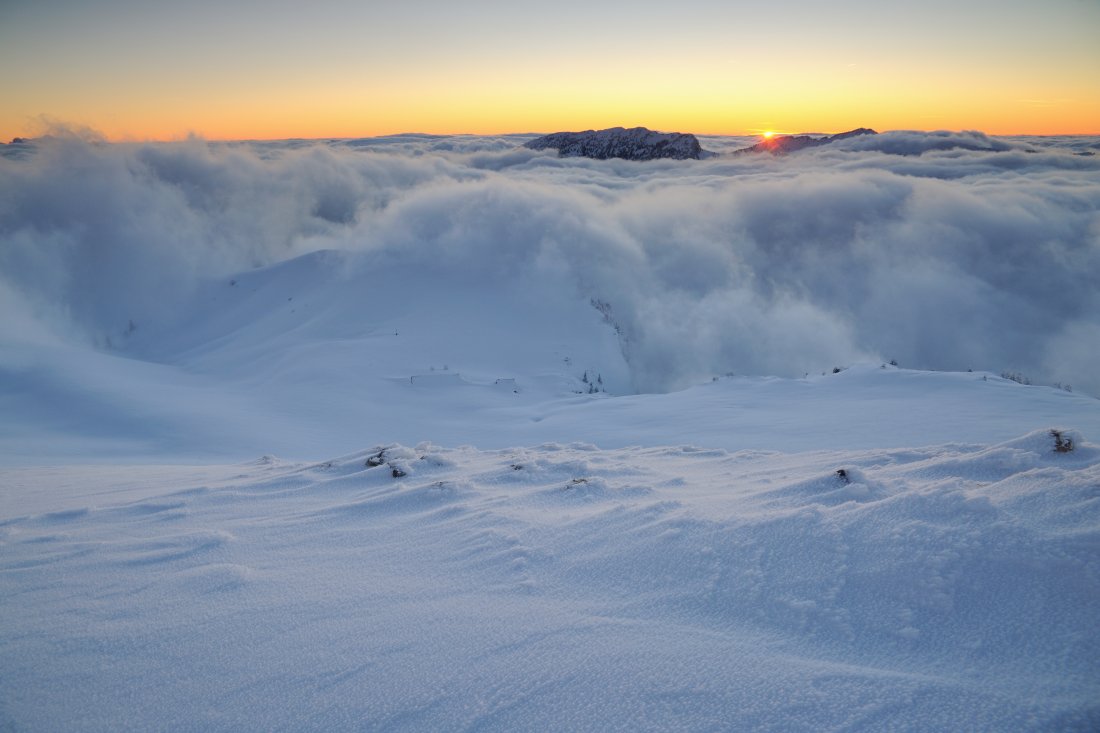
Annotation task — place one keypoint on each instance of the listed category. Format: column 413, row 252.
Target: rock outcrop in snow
column 637, row 143
column 791, row 143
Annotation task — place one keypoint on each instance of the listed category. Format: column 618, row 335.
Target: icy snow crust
column 425, row 433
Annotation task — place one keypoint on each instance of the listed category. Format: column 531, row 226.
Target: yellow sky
column 158, row 70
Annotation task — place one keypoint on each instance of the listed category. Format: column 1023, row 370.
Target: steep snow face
column 637, row 143
column 559, row 587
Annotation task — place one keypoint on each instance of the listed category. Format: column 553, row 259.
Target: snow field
column 563, row 586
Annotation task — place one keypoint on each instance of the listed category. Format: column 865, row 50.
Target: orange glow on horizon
column 157, row 127
column 431, row 106
column 167, row 72
column 499, row 100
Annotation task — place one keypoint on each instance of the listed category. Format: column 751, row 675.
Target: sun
column 769, row 134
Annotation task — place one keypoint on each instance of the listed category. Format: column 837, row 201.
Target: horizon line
column 91, row 133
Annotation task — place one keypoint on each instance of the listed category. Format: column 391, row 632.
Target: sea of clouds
column 938, row 250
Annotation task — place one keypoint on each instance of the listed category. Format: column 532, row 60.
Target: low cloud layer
column 939, row 250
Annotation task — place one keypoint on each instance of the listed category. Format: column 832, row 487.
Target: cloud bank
column 939, row 250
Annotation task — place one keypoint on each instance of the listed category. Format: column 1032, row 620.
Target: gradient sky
column 150, row 69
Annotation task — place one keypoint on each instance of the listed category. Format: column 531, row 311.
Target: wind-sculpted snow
column 938, row 250
column 559, row 587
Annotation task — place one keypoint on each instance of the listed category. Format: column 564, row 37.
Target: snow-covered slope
column 433, row 433
column 323, row 354
column 559, row 587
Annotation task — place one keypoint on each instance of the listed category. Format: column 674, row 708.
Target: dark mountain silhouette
column 791, row 143
column 637, row 143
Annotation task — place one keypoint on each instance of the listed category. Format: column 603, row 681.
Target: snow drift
column 563, row 587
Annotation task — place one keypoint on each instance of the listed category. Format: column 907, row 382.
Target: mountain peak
column 791, row 143
column 636, row 143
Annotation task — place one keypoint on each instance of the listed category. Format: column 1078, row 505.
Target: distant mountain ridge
column 636, row 143
column 791, row 143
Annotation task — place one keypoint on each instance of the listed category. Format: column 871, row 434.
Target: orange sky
column 158, row 70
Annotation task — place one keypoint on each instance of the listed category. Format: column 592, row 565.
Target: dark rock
column 637, row 143
column 1062, row 443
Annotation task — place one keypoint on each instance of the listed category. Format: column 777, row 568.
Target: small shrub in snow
column 1016, row 377
column 1062, row 442
column 605, row 308
column 595, row 384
